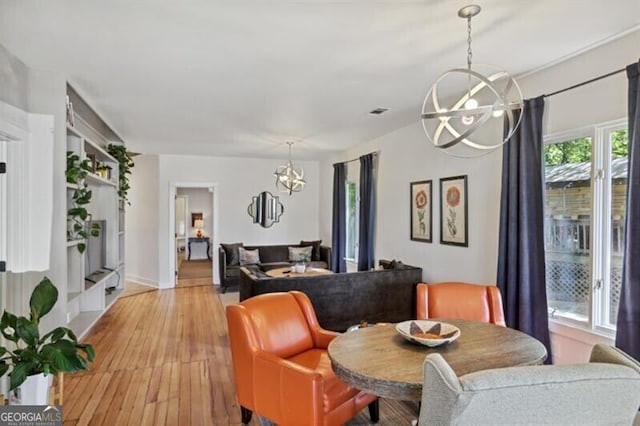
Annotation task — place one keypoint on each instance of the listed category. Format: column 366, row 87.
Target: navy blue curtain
column 339, row 222
column 521, row 268
column 628, row 327
column 366, row 236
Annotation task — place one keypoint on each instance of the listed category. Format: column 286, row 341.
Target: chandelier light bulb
column 471, row 104
column 468, row 120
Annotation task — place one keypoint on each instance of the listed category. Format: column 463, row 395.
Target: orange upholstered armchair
column 461, row 301
column 281, row 366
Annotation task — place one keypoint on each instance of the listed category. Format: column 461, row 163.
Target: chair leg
column 246, row 415
column 374, row 411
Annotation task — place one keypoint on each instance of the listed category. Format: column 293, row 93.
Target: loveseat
column 344, row 299
column 271, row 256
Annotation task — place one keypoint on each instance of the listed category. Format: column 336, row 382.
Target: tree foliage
column 579, row 150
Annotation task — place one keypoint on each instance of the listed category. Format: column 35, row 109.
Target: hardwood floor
column 163, row 359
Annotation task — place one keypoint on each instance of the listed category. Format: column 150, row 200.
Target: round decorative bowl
column 422, row 332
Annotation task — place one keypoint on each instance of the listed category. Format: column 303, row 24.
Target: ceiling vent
column 378, row 111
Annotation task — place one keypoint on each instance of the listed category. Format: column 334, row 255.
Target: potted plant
column 34, row 358
column 119, row 152
column 77, row 171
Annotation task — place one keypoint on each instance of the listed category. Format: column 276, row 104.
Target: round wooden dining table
column 380, row 361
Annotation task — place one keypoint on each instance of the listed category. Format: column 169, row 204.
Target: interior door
column 181, row 205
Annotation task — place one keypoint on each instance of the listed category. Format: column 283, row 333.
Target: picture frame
column 454, row 217
column 421, row 202
column 194, row 217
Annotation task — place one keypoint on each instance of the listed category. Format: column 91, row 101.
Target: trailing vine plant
column 119, row 152
column 77, row 171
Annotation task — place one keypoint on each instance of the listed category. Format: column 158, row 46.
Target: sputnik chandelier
column 450, row 128
column 288, row 178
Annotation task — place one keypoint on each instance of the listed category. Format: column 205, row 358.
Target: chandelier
column 450, row 127
column 288, row 178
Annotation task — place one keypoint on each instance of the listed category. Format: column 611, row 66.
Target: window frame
column 600, row 224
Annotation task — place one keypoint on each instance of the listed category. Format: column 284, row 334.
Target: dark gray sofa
column 345, row 299
column 271, row 256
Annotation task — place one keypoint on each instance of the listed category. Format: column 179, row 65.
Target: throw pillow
column 249, row 257
column 396, row 264
column 315, row 253
column 231, row 252
column 300, row 254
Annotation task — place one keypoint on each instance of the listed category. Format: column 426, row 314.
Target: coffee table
column 289, row 272
column 380, row 361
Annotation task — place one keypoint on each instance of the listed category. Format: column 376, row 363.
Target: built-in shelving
column 73, row 243
column 87, row 295
column 97, row 180
column 72, row 296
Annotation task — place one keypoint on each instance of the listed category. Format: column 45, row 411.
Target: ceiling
column 240, row 78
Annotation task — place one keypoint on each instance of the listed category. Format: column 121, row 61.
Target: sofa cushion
column 319, row 264
column 315, row 254
column 270, row 254
column 231, row 253
column 248, row 257
column 233, row 271
column 300, row 254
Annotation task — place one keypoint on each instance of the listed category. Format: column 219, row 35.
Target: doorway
column 194, row 234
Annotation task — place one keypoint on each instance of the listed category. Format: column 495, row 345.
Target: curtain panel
column 521, row 259
column 367, row 220
column 339, row 219
column 628, row 327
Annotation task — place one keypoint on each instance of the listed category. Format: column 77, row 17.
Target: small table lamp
column 199, row 224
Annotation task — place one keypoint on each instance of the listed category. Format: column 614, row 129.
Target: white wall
column 142, row 222
column 235, row 180
column 406, row 156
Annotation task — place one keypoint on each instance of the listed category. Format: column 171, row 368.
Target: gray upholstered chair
column 605, row 391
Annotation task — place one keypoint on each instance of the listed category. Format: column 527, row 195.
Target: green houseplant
column 30, row 353
column 119, row 152
column 77, row 171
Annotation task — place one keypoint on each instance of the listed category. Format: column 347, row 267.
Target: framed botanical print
column 454, row 226
column 421, row 211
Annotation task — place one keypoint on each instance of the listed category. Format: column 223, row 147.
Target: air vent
column 378, row 111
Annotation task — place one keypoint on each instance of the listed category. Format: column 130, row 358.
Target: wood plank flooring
column 163, row 358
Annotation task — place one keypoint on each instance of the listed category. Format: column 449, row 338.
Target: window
column 585, row 182
column 352, row 221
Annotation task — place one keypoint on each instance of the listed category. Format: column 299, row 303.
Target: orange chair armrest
column 288, row 393
column 322, row 337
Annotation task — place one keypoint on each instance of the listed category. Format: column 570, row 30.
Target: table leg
column 208, row 254
column 189, row 257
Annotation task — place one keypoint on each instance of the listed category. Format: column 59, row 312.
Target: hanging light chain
column 469, row 51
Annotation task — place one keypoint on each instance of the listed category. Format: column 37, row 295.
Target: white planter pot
column 34, row 391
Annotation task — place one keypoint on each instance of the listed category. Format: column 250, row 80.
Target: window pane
column 619, row 149
column 567, row 227
column 351, row 220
